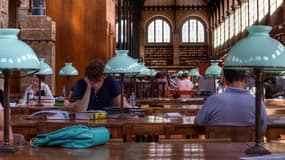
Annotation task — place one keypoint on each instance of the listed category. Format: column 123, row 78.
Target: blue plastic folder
column 78, row 136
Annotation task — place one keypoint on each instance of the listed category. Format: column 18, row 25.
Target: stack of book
column 90, row 115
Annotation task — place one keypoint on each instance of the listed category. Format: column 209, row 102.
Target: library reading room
column 142, row 79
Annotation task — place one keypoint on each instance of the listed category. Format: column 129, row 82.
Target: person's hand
column 88, row 82
column 66, row 102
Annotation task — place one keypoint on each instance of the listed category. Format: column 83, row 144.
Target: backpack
column 78, row 136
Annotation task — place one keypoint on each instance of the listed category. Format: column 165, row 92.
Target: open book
column 49, row 114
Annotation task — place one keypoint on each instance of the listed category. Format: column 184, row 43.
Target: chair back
column 235, row 133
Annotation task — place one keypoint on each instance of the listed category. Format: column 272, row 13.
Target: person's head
column 235, row 76
column 35, row 80
column 95, row 73
column 185, row 76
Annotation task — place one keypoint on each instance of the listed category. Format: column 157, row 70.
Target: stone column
column 39, row 32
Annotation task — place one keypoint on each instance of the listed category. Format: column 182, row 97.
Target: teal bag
column 78, row 136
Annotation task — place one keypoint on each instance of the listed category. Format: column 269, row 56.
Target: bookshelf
column 192, row 55
column 158, row 55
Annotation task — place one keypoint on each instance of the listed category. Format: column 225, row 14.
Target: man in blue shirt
column 95, row 91
column 235, row 106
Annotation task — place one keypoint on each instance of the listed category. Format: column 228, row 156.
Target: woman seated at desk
column 184, row 85
column 33, row 90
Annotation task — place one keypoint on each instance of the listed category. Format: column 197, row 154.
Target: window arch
column 193, row 31
column 158, row 31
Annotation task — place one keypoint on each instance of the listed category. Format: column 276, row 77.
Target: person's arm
column 81, row 105
column 117, row 102
column 48, row 93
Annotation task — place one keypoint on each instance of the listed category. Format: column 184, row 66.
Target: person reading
column 95, row 90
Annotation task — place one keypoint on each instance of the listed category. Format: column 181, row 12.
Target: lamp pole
column 6, row 106
column 6, row 147
column 40, row 91
column 258, row 148
column 122, row 93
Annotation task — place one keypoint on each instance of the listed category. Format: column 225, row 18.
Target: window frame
column 197, row 19
column 147, row 31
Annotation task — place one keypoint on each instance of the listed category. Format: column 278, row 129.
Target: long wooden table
column 170, row 101
column 26, row 110
column 143, row 151
column 124, row 129
column 190, row 110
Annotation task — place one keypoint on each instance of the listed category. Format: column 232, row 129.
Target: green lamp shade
column 152, row 72
column 122, row 63
column 179, row 73
column 144, row 71
column 214, row 69
column 257, row 50
column 14, row 53
column 45, row 69
column 194, row 72
column 68, row 70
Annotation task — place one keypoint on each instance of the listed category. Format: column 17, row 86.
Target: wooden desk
column 115, row 127
column 119, row 128
column 143, row 151
column 274, row 101
column 26, row 110
column 189, row 110
column 170, row 101
column 28, row 128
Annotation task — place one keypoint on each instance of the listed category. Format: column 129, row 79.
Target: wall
column 84, row 32
column 176, row 18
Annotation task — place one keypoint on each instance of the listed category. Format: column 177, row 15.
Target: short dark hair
column 232, row 75
column 95, row 70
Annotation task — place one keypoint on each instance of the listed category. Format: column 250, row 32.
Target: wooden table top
column 143, row 151
column 161, row 101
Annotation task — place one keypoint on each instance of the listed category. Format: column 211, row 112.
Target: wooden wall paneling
column 81, row 27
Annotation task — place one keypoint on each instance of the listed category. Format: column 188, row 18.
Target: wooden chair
column 185, row 93
column 235, row 133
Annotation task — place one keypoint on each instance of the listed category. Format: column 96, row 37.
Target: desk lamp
column 44, row 70
column 68, row 70
column 145, row 72
column 15, row 56
column 214, row 70
column 179, row 73
column 152, row 72
column 122, row 64
column 194, row 72
column 258, row 54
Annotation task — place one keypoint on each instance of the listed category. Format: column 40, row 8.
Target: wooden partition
column 84, row 31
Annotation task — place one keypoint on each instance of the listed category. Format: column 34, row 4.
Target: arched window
column 193, row 31
column 158, row 31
